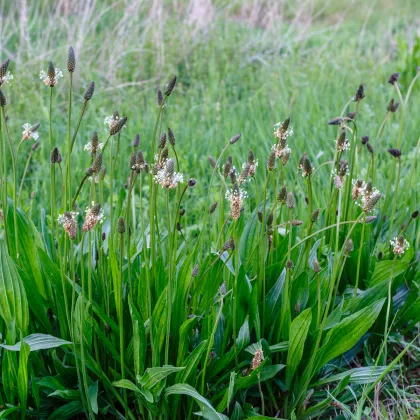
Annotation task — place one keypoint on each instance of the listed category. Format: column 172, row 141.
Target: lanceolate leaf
column 207, row 410
column 347, row 333
column 38, row 342
column 298, row 332
column 13, row 302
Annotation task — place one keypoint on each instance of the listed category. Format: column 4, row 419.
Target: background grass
column 242, row 66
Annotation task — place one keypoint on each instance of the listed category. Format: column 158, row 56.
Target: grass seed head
column 170, row 86
column 257, row 359
column 396, row 153
column 348, row 247
column 3, row 68
column 89, row 91
column 234, row 139
column 213, row 207
column 35, row 146
column 136, row 141
column 360, row 93
column 369, row 148
column 55, row 156
column 192, row 182
column 71, row 60
column 365, row 139
column 289, row 264
column 2, row 99
column 97, row 163
column 290, row 200
column 212, row 161
column 162, row 141
column 171, row 137
column 335, row 121
column 314, row 215
column 195, row 271
column 371, row 202
column 121, row 226
column 282, row 195
column 271, row 163
column 315, row 266
column 159, row 98
column 118, row 126
column 393, row 78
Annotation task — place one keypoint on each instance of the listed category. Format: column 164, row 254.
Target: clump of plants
column 297, row 297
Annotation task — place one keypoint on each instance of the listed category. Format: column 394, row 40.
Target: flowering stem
column 78, row 125
column 78, row 191
column 395, row 197
column 359, row 258
column 15, row 183
column 235, row 294
column 121, row 317
column 69, row 144
column 169, row 285
column 24, row 175
column 388, row 308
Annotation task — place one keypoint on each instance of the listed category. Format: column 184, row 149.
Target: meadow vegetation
column 209, row 210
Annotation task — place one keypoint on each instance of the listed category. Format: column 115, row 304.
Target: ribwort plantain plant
column 245, row 290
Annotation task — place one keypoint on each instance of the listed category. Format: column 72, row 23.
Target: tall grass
column 153, row 301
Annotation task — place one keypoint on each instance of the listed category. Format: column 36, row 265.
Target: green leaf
column 298, row 333
column 125, row 383
column 154, row 375
column 23, row 375
column 383, row 270
column 13, row 301
column 261, row 374
column 38, row 342
column 347, row 333
column 360, row 376
column 207, row 410
column 67, row 411
column 93, row 396
column 191, row 363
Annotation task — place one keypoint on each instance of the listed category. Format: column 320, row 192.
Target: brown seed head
column 212, row 161
column 271, row 163
column 335, row 121
column 162, row 141
column 235, row 138
column 314, row 215
column 365, row 139
column 394, row 78
column 348, row 247
column 170, row 86
column 118, row 126
column 281, row 196
column 71, row 60
column 396, row 153
column 369, row 148
column 316, row 266
column 159, row 98
column 121, row 225
column 360, row 93
column 97, row 163
column 3, row 68
column 89, row 91
column 171, row 137
column 55, row 156
column 2, row 99
column 136, row 141
column 213, row 207
column 290, row 201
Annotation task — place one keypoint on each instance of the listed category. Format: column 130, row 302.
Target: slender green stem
column 388, row 307
column 359, row 259
column 14, row 182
